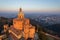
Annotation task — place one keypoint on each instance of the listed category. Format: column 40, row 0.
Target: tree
column 41, row 35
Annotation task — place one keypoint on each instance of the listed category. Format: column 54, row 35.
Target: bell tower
column 20, row 14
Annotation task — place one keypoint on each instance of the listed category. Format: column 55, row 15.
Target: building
column 21, row 28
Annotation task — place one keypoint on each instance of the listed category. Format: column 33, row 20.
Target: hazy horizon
column 14, row 14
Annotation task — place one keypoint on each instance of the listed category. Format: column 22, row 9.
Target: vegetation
column 38, row 27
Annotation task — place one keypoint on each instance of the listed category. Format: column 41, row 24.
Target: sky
column 30, row 5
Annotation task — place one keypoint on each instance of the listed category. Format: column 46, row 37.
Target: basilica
column 21, row 28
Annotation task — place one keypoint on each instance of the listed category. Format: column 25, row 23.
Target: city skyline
column 30, row 5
